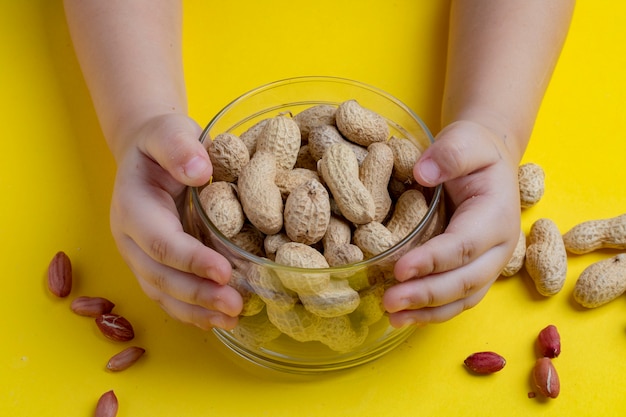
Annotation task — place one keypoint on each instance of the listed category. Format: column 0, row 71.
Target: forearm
column 500, row 59
column 130, row 55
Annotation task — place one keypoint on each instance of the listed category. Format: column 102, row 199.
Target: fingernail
column 429, row 170
column 195, row 167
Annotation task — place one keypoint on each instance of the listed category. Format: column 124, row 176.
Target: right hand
column 155, row 164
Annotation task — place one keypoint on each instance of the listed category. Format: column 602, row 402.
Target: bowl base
column 315, row 365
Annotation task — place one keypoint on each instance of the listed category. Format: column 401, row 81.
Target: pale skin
column 501, row 56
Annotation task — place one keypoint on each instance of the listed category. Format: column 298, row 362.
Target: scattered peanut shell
column 601, row 282
column 516, row 262
column 597, row 234
column 546, row 258
column 531, row 178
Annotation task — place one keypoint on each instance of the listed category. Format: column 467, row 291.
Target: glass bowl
column 339, row 342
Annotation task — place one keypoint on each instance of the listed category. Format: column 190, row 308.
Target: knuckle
column 195, row 296
column 465, row 252
column 159, row 283
column 452, row 157
column 177, row 143
column 159, row 249
column 460, row 254
column 467, row 288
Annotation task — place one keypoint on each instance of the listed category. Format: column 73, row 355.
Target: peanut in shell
column 592, row 235
column 340, row 171
column 228, row 155
column 405, row 156
column 307, row 212
column 281, row 137
column 259, row 195
column 321, row 114
column 374, row 173
column 220, row 203
column 601, row 282
column 531, row 178
column 546, row 258
column 360, row 125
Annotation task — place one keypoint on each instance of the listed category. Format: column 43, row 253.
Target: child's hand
column 185, row 277
column 453, row 271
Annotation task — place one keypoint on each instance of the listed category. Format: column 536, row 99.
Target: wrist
column 130, row 130
column 514, row 139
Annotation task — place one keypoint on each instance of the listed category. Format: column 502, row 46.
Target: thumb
column 461, row 148
column 173, row 142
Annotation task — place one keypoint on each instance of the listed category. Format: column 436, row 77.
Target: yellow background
column 56, row 175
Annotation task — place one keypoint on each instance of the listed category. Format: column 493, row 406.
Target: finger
column 436, row 314
column 445, row 288
column 466, row 238
column 460, row 149
column 185, row 287
column 198, row 316
column 152, row 222
column 173, row 142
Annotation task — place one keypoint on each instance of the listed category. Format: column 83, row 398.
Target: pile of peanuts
column 326, row 187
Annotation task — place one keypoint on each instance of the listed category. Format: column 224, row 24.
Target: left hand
column 453, row 271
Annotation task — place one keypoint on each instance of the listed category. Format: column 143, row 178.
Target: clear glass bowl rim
column 432, row 207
